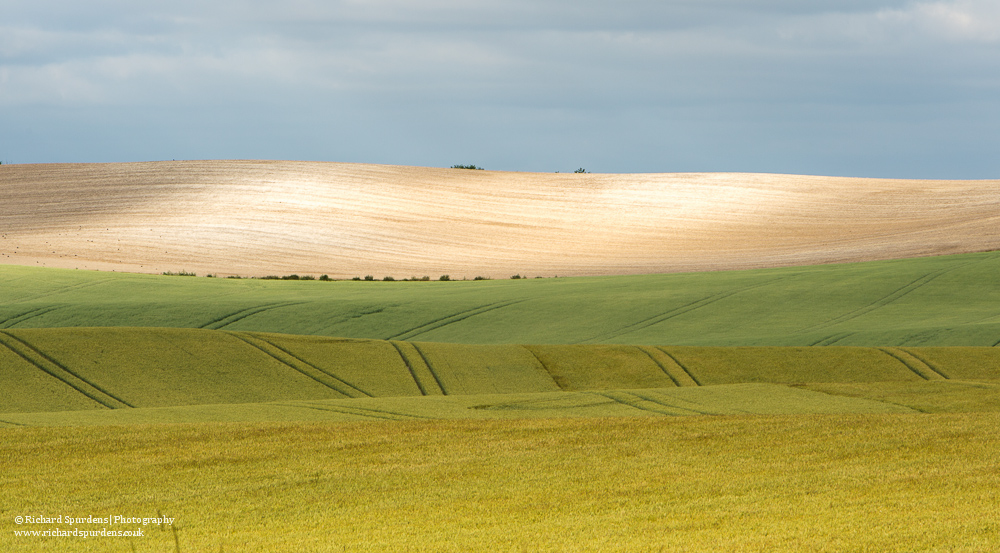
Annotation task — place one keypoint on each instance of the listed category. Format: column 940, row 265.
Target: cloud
column 486, row 69
column 451, row 48
column 961, row 21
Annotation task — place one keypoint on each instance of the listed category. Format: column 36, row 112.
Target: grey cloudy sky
column 839, row 87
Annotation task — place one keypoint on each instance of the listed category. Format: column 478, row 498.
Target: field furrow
column 27, row 315
column 677, row 312
column 348, row 410
column 687, row 372
column 356, row 391
column 656, row 319
column 642, row 404
column 451, row 319
column 303, row 368
column 59, row 371
column 409, row 367
column 402, row 335
column 670, row 402
column 923, row 360
column 655, row 356
column 918, row 367
column 462, row 318
column 892, row 297
column 421, row 371
column 430, row 368
column 396, row 414
column 70, row 289
column 381, row 412
column 560, row 381
column 226, row 320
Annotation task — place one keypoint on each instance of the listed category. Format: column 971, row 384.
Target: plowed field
column 256, row 218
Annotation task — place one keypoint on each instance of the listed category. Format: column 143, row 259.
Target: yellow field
column 732, row 483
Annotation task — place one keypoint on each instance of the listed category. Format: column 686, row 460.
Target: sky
column 868, row 88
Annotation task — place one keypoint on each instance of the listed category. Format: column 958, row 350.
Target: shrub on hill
column 287, row 277
column 466, row 167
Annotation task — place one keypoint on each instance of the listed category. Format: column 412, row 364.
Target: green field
column 830, row 408
column 229, row 375
column 933, row 301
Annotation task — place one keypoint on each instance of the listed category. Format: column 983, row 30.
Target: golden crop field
column 820, row 483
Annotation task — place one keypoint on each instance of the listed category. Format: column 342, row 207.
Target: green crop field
column 933, row 301
column 830, row 408
column 122, row 370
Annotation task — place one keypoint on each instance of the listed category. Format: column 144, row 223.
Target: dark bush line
column 292, row 277
column 326, row 278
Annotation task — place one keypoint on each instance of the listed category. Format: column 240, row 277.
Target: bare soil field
column 257, row 218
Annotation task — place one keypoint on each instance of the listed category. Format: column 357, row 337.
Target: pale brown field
column 282, row 217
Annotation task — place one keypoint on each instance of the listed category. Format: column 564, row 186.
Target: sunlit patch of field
column 342, row 219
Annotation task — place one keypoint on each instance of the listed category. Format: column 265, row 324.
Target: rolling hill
column 256, row 218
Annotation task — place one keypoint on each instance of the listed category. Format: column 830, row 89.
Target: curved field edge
column 123, row 369
column 932, row 301
column 798, row 483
